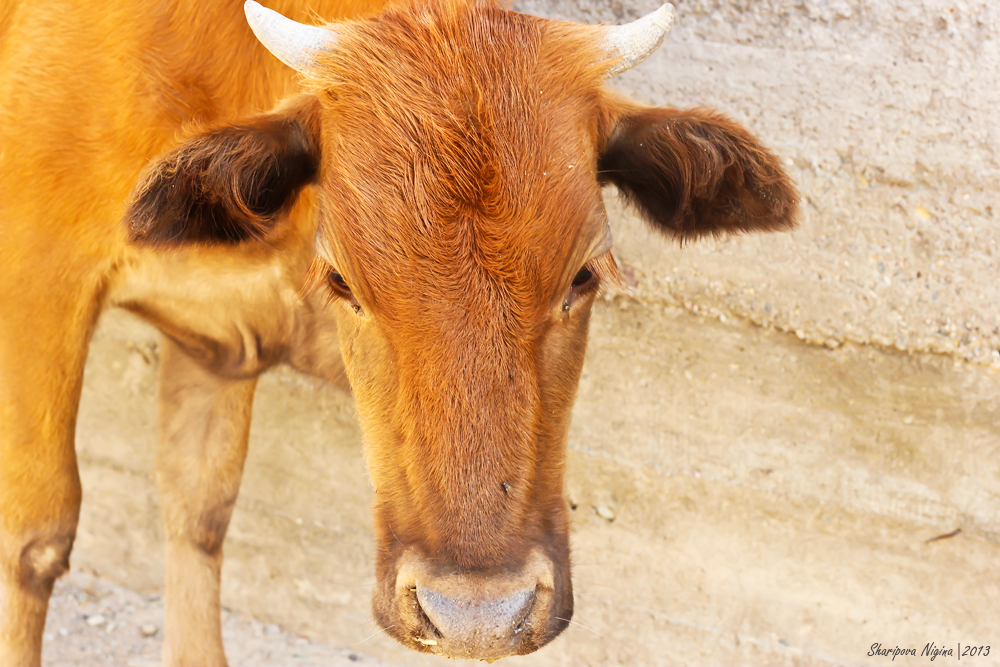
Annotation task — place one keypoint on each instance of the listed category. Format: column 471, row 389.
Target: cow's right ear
column 229, row 184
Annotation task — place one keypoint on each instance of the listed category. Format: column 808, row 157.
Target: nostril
column 526, row 614
column 428, row 634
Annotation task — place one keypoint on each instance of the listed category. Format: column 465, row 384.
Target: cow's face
column 462, row 238
column 459, row 154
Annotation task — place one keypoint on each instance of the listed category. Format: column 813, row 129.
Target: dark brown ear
column 695, row 172
column 229, row 184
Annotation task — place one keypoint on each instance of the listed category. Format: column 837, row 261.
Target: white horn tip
column 255, row 12
column 291, row 42
column 662, row 18
column 635, row 41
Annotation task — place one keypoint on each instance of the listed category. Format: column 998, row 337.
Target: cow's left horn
column 293, row 43
column 635, row 41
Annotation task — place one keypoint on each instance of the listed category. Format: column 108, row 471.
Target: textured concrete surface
column 887, row 114
column 769, row 430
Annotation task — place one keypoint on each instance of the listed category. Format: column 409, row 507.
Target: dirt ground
column 770, row 433
column 742, row 497
column 95, row 623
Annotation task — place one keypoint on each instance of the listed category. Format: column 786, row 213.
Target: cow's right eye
column 341, row 289
column 338, row 283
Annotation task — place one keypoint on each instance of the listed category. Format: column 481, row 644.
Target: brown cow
column 435, row 182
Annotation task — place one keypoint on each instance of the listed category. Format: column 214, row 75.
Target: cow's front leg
column 205, row 424
column 43, row 345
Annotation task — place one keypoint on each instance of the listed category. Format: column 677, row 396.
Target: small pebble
column 148, row 630
column 96, row 620
column 605, row 512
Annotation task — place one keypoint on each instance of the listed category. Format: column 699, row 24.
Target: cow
column 410, row 195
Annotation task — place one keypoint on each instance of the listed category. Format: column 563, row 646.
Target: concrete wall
column 887, row 115
column 777, row 424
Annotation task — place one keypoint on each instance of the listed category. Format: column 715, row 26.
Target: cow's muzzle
column 480, row 615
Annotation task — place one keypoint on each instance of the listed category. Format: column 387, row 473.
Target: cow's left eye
column 583, row 283
column 583, row 277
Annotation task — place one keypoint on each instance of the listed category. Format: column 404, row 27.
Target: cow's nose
column 481, row 628
column 480, row 614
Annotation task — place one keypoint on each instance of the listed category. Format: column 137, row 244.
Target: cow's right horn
column 635, row 41
column 293, row 43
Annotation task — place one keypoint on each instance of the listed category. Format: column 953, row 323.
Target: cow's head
column 458, row 153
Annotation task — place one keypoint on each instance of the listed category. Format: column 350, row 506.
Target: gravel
column 95, row 623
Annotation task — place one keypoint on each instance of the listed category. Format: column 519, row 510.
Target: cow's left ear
column 695, row 172
column 229, row 184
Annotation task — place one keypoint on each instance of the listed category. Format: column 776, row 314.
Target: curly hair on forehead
column 452, row 128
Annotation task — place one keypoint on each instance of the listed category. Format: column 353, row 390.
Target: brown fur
column 454, row 154
column 88, row 97
column 441, row 240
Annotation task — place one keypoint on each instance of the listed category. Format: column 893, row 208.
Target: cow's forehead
column 460, row 142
